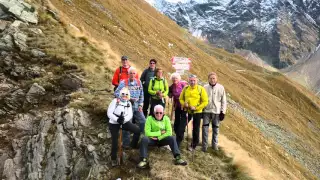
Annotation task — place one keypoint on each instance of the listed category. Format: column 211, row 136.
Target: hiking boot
column 179, row 161
column 191, row 148
column 143, row 164
column 215, row 148
column 114, row 163
column 204, row 149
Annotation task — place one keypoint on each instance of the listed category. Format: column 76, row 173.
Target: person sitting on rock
column 120, row 114
column 158, row 132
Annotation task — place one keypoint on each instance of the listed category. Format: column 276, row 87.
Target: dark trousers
column 196, row 127
column 146, row 141
column 155, row 102
column 179, row 126
column 146, row 103
column 114, row 129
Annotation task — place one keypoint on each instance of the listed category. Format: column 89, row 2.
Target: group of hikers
column 139, row 108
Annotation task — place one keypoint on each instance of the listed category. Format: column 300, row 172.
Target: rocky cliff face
column 41, row 138
column 280, row 31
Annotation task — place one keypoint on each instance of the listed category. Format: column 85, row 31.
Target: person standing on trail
column 158, row 89
column 145, row 79
column 194, row 98
column 120, row 114
column 158, row 132
column 214, row 111
column 122, row 72
column 136, row 91
column 180, row 115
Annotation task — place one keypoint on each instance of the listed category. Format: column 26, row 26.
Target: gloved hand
column 120, row 119
column 221, row 116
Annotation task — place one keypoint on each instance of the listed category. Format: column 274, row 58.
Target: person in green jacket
column 158, row 89
column 194, row 98
column 158, row 132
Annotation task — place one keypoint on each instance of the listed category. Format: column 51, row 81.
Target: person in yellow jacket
column 158, row 89
column 193, row 99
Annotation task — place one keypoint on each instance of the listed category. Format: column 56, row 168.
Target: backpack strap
column 120, row 72
column 153, row 83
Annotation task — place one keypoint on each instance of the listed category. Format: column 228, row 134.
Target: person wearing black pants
column 120, row 114
column 196, row 119
column 145, row 79
column 158, row 132
column 114, row 129
column 180, row 123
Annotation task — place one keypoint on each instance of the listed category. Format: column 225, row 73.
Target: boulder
column 72, row 82
column 37, row 53
column 20, row 10
column 35, row 93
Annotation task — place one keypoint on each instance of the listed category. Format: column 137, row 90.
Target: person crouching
column 158, row 132
column 120, row 114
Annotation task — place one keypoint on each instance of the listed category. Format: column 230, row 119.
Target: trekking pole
column 172, row 109
column 192, row 112
column 120, row 145
column 187, row 126
column 168, row 104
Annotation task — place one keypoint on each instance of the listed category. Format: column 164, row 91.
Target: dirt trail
column 242, row 157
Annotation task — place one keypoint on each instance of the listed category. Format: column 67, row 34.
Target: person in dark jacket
column 145, row 79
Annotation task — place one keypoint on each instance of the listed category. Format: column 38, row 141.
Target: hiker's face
column 213, row 79
column 132, row 74
column 159, row 74
column 152, row 65
column 193, row 81
column 175, row 80
column 125, row 62
column 158, row 113
column 124, row 95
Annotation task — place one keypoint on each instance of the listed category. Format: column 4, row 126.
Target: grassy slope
column 136, row 29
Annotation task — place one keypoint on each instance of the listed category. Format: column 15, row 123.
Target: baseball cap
column 124, row 58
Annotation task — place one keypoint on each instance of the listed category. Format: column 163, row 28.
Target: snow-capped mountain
column 280, row 31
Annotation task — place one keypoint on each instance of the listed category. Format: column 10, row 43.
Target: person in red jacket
column 122, row 72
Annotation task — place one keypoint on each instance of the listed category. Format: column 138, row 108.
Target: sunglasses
column 159, row 112
column 124, row 94
column 152, row 63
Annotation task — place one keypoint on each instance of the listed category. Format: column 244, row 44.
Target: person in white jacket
column 214, row 111
column 120, row 114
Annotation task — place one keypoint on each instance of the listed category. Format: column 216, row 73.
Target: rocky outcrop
column 41, row 138
column 281, row 32
column 18, row 9
column 59, row 146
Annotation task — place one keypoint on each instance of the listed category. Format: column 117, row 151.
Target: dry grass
column 135, row 29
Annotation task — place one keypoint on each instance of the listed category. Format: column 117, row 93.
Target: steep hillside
column 272, row 118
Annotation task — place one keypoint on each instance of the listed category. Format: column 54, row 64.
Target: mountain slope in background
column 55, row 86
column 307, row 71
column 280, row 31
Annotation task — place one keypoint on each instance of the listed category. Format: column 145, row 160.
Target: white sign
column 181, row 66
column 180, row 60
column 180, row 71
